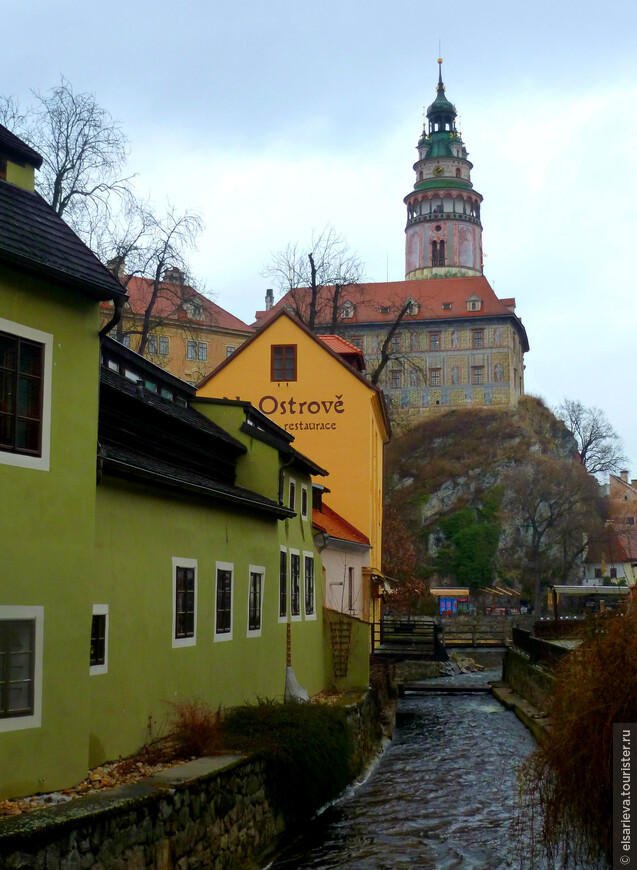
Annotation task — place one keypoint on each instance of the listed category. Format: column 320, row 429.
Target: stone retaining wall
column 212, row 813
column 532, row 682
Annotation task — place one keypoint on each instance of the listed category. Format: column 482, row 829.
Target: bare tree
column 315, row 276
column 83, row 152
column 599, row 446
column 554, row 506
column 143, row 244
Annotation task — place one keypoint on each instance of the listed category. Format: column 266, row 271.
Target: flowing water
column 443, row 795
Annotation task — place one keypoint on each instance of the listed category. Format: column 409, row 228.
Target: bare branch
column 599, row 446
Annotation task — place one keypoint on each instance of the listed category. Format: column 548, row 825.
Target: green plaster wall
column 46, row 535
column 21, row 176
column 138, row 533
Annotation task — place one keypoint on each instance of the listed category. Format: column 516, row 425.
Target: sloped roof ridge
column 17, row 147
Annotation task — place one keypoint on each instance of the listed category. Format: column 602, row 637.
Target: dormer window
column 412, row 308
column 474, row 303
column 193, row 308
column 446, row 306
column 347, row 309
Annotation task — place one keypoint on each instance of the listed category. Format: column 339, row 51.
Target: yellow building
column 189, row 334
column 334, row 413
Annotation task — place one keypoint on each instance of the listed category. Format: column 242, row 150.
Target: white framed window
column 99, row 640
column 164, row 345
column 191, row 350
column 304, row 502
column 184, row 587
column 202, row 350
column 283, row 585
column 309, row 586
column 223, row 600
column 26, row 366
column 295, row 585
column 230, row 350
column 21, row 653
column 256, row 583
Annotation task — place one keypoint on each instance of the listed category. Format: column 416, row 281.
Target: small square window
column 446, row 306
column 283, row 362
column 229, row 350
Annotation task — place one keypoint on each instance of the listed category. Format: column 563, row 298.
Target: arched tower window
column 458, row 172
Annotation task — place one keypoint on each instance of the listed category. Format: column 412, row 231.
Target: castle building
column 441, row 338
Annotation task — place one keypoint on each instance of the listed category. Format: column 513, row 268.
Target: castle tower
column 443, row 232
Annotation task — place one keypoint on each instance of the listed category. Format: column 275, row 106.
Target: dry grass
column 569, row 776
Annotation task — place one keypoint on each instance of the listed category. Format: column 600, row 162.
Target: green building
column 154, row 548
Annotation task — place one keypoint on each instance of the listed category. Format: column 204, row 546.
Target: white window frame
column 13, row 612
column 305, row 497
column 224, row 635
column 307, row 554
column 255, row 569
column 296, row 617
column 287, row 587
column 42, row 462
column 94, row 670
column 182, row 562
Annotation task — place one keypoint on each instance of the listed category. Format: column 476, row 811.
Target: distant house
column 614, row 557
column 150, row 547
column 189, row 334
column 309, row 387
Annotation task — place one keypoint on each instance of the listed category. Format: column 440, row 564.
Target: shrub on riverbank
column 308, row 751
column 569, row 776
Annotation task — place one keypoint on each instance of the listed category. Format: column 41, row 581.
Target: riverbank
column 537, row 721
column 215, row 812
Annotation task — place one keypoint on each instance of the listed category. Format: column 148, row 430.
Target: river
column 442, row 796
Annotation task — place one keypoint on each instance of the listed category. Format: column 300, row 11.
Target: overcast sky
column 275, row 118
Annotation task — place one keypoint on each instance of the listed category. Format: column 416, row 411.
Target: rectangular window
column 613, row 573
column 223, row 616
column 395, row 343
column 230, row 350
column 598, row 573
column 477, row 337
column 434, row 377
column 434, row 341
column 295, row 584
column 17, row 660
column 477, row 374
column 21, row 388
column 202, row 351
column 25, row 395
column 184, row 601
column 126, row 340
column 191, row 350
column 309, row 584
column 395, row 378
column 163, row 345
column 630, row 521
column 292, row 500
column 99, row 640
column 21, row 644
column 283, row 362
column 255, row 600
column 304, row 502
column 283, row 585
column 350, row 589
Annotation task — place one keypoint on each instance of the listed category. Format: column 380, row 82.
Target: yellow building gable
column 336, row 416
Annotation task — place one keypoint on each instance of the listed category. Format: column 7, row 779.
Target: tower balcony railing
column 443, row 216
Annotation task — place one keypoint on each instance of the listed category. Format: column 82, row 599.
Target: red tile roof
column 327, row 520
column 381, row 302
column 345, row 349
column 169, row 304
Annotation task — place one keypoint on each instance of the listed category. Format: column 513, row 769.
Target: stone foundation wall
column 212, row 813
column 531, row 682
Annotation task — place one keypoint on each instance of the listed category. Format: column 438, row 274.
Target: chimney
column 173, row 275
column 269, row 299
column 624, row 476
